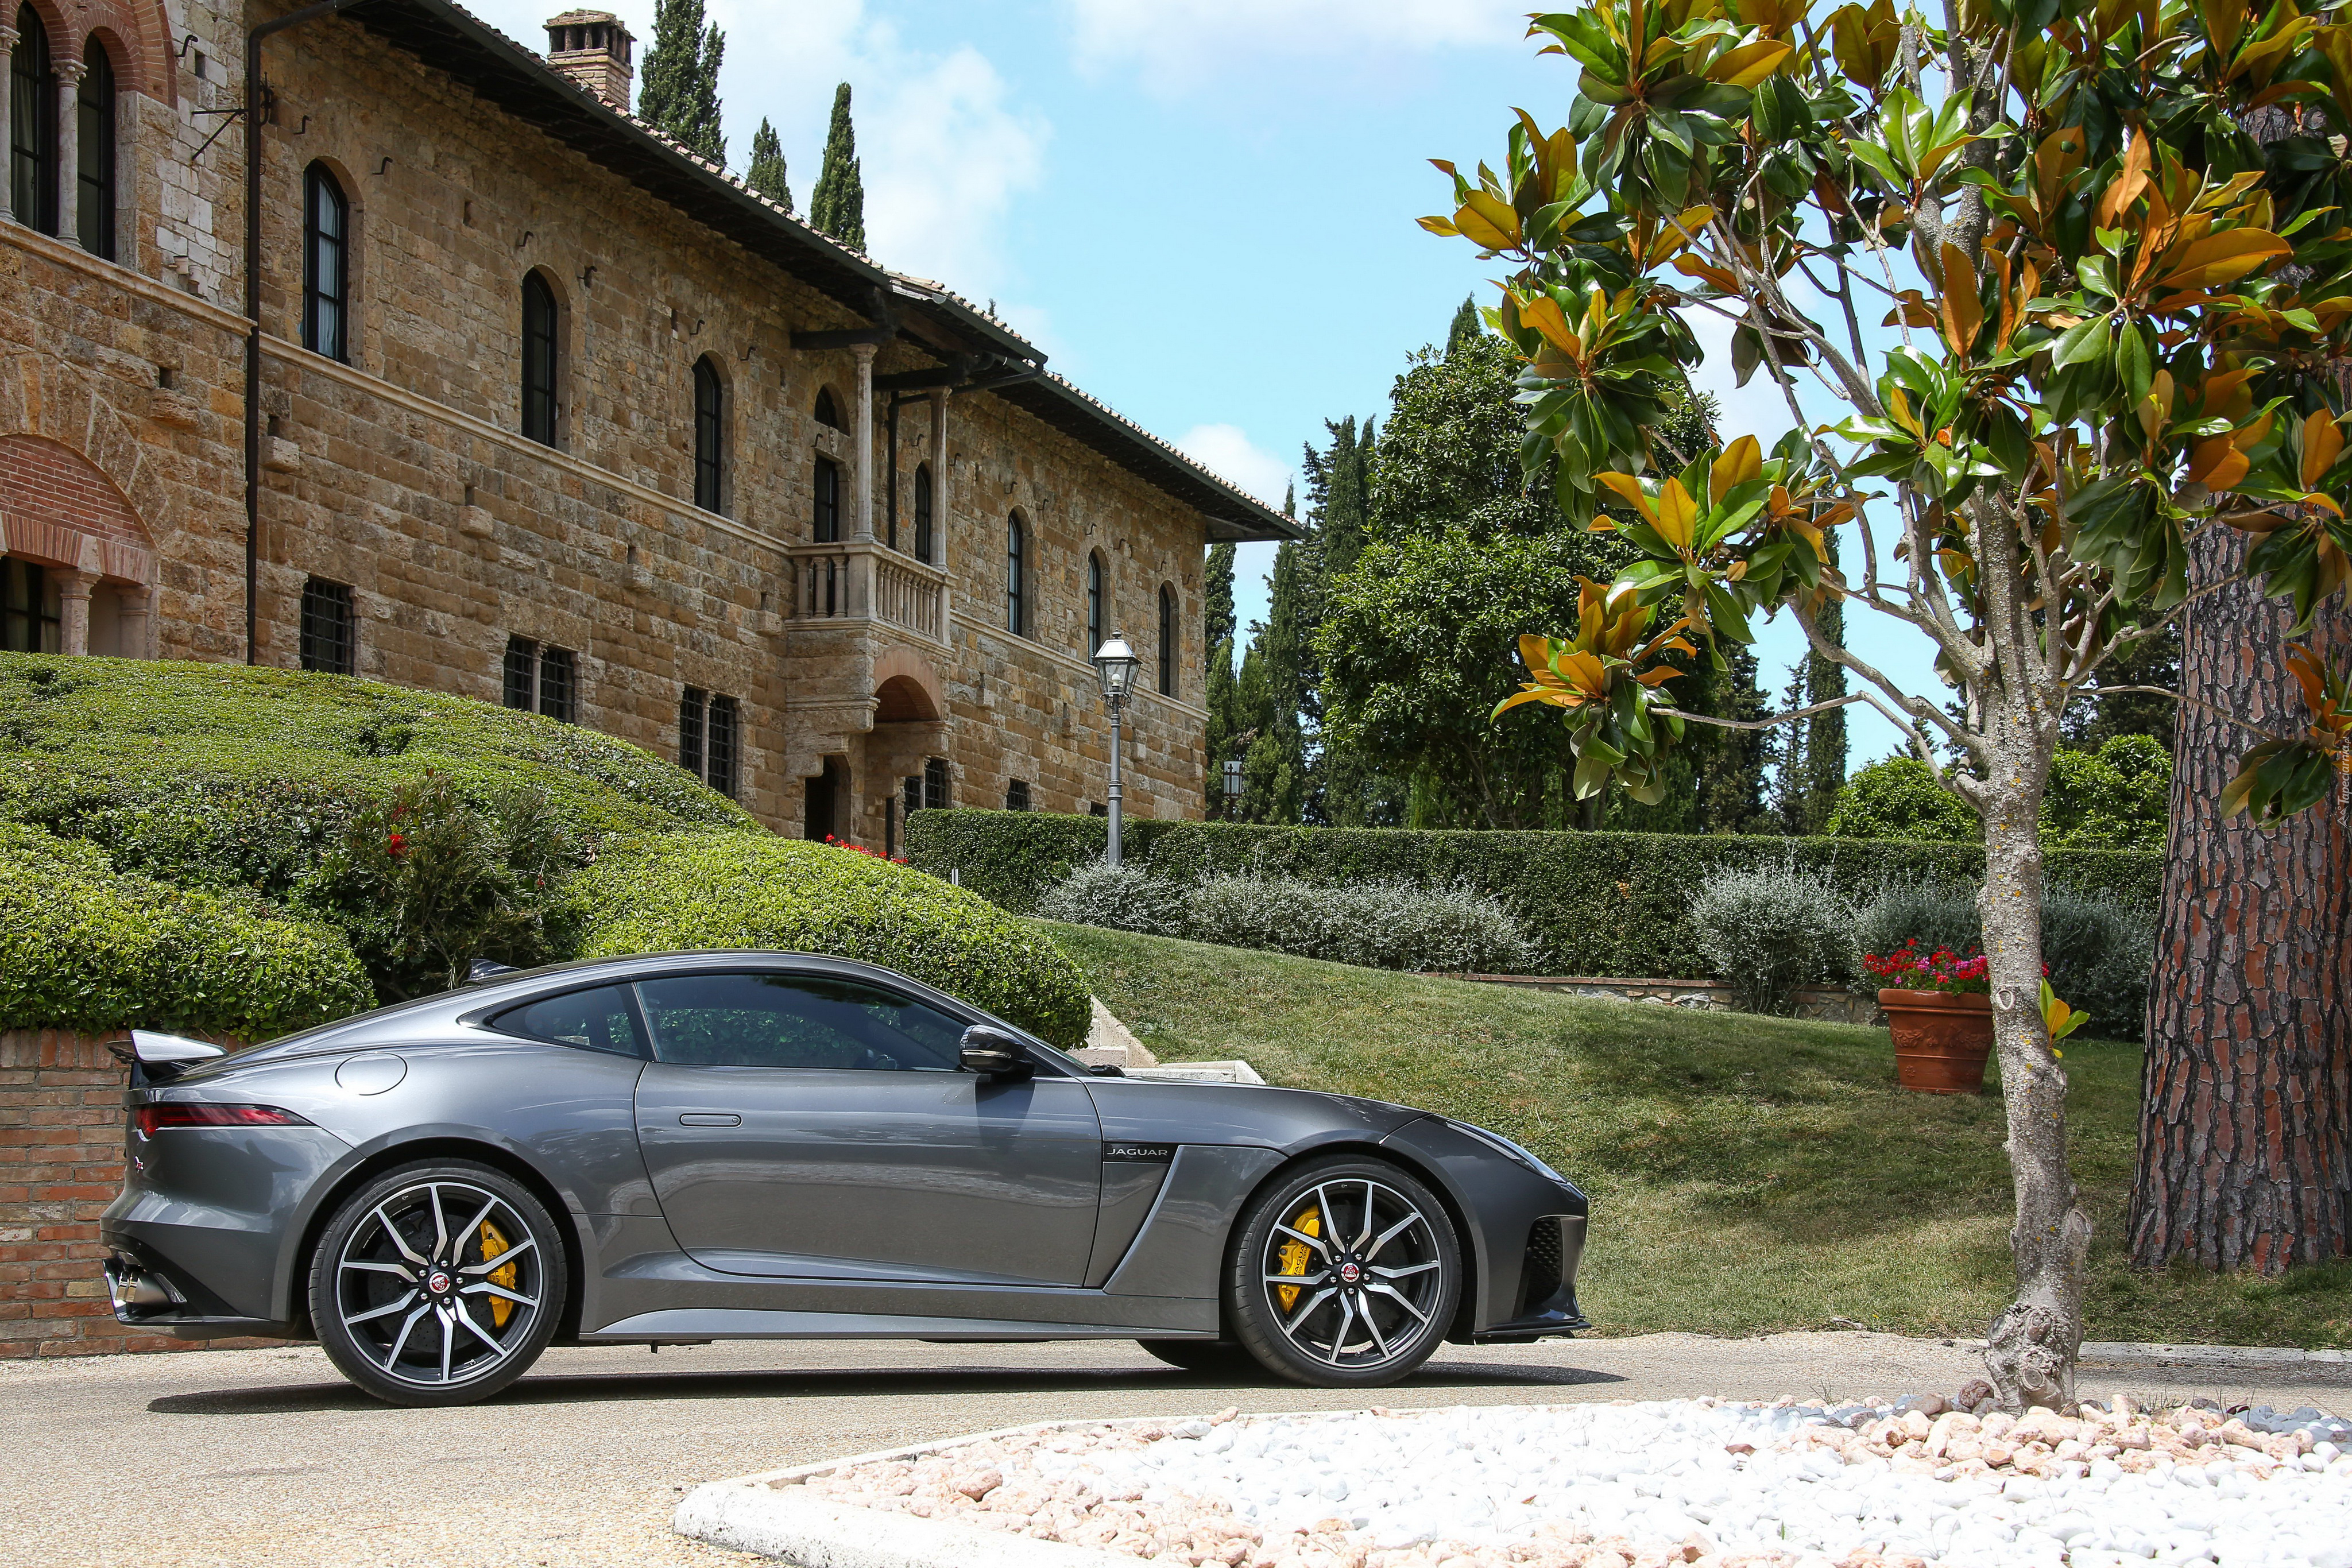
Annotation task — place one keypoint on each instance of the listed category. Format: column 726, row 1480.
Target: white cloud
column 1225, row 450
column 1177, row 44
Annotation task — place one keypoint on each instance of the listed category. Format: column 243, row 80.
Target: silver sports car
column 682, row 1147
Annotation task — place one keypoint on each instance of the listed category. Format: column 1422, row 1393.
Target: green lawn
column 1746, row 1174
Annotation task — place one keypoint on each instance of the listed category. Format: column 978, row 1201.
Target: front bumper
column 1547, row 1304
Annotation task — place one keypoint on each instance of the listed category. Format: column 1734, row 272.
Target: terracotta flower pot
column 1941, row 1039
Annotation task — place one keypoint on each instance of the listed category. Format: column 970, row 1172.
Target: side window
column 795, row 1020
column 599, row 1019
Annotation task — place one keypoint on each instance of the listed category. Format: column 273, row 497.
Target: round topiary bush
column 678, row 891
column 82, row 947
column 222, row 775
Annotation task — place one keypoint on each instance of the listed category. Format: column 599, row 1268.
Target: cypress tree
column 680, row 96
column 1825, row 732
column 1217, row 614
column 837, row 205
column 766, row 174
column 1469, row 325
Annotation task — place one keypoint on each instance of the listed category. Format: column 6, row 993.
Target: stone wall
column 1827, row 1004
column 404, row 473
column 61, row 1131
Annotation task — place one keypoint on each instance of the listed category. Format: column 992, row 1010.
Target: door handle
column 708, row 1119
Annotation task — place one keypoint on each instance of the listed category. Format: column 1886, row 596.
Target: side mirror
column 993, row 1054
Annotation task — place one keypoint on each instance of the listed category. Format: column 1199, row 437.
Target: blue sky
column 1203, row 210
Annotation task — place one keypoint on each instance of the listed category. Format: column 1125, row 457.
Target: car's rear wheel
column 1209, row 1357
column 437, row 1283
column 1344, row 1273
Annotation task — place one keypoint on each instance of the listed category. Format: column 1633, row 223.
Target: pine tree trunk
column 2245, row 1146
column 2031, row 1348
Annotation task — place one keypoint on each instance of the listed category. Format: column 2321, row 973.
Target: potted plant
column 1939, row 1007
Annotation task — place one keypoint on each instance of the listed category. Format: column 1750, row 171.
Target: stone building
column 524, row 402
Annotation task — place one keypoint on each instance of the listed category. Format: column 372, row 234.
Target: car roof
column 472, row 1002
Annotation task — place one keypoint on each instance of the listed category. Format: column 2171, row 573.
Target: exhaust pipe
column 135, row 1291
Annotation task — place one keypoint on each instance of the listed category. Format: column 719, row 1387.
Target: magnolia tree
column 2073, row 316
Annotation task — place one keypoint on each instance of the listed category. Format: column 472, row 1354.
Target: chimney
column 595, row 50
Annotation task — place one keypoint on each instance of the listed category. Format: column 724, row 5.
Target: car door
column 800, row 1123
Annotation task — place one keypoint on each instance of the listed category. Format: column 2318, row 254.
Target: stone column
column 7, row 78
column 862, row 485
column 73, row 592
column 69, row 74
column 940, row 532
column 136, row 621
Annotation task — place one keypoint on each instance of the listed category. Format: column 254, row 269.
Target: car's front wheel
column 437, row 1283
column 1345, row 1273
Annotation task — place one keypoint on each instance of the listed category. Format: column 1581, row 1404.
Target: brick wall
column 60, row 1166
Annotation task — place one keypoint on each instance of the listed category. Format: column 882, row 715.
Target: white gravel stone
column 1625, row 1485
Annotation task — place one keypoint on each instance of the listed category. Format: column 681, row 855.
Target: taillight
column 153, row 1119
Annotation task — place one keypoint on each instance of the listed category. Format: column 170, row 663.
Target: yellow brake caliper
column 493, row 1243
column 1295, row 1256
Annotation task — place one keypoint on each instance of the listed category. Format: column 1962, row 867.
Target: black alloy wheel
column 1344, row 1273
column 437, row 1283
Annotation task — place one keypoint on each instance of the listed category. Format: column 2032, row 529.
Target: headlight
column 1518, row 1152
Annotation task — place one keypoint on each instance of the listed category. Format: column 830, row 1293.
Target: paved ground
column 264, row 1457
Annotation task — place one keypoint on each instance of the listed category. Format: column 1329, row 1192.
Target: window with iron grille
column 330, row 636
column 911, row 793
column 828, row 501
column 542, row 678
column 693, row 706
column 935, row 785
column 719, row 772
column 538, row 360
column 710, row 436
column 326, row 260
column 559, row 676
column 522, row 674
column 1016, row 795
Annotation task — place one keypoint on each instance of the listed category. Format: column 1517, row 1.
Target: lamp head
column 1114, row 662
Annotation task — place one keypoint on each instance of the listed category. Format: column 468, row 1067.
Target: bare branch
column 1788, row 717
column 2096, row 692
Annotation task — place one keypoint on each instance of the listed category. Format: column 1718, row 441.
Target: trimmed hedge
column 222, row 775
column 82, row 947
column 1594, row 903
column 686, row 891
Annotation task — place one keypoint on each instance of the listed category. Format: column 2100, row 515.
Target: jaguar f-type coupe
column 675, row 1148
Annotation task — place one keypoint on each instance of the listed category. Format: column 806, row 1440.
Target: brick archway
column 59, row 510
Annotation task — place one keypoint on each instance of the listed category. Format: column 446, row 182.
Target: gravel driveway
column 265, row 1457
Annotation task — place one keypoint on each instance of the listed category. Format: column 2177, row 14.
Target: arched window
column 710, row 436
column 33, row 125
column 1167, row 641
column 1016, row 576
column 828, row 411
column 828, row 501
column 94, row 152
column 1094, row 604
column 326, row 265
column 924, row 545
column 538, row 360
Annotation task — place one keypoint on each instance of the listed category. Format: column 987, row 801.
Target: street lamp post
column 1233, row 787
column 1114, row 662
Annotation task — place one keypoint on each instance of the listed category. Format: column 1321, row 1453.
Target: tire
column 404, row 1294
column 1207, row 1357
column 1407, row 1264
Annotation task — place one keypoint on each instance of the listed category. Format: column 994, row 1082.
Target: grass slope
column 1746, row 1174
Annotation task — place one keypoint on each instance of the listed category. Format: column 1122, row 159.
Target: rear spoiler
column 156, row 1058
